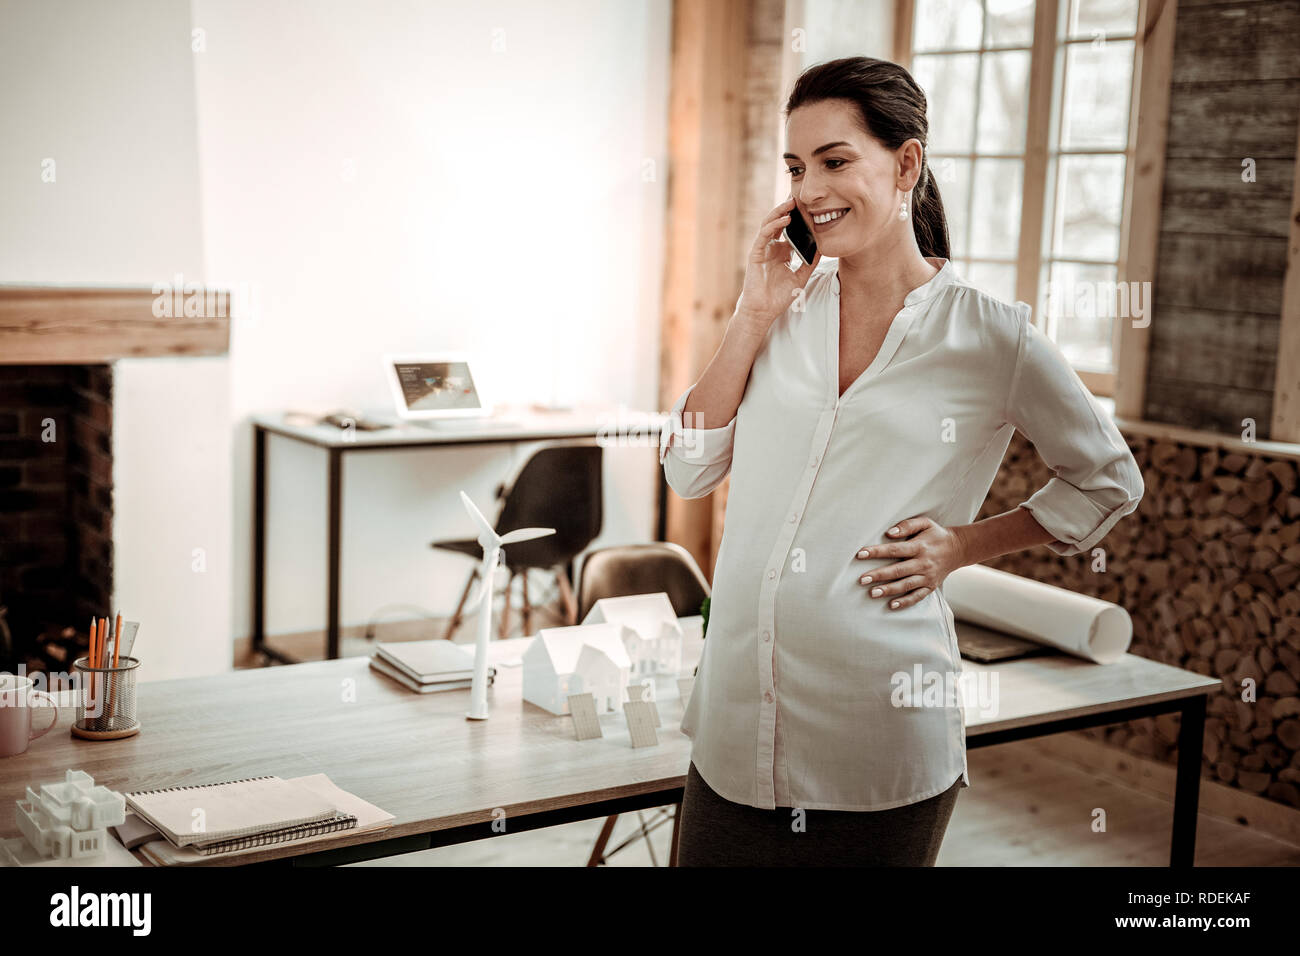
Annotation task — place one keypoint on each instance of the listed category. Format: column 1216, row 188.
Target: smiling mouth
column 822, row 223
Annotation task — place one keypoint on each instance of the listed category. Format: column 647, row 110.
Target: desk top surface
column 614, row 424
column 417, row 757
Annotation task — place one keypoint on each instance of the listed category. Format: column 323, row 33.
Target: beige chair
column 641, row 569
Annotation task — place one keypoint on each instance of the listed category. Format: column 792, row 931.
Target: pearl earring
column 902, row 211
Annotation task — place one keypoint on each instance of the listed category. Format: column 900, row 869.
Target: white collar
column 931, row 287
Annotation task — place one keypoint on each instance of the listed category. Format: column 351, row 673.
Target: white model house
column 585, row 658
column 651, row 632
column 68, row 820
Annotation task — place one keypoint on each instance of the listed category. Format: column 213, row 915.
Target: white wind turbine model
column 491, row 543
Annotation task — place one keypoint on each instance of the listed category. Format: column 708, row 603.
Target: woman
column 862, row 408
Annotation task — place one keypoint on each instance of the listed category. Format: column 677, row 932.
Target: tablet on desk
column 434, row 387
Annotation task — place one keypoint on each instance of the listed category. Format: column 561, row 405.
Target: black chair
column 559, row 487
column 641, row 569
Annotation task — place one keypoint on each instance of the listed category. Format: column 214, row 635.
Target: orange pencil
column 100, row 646
column 117, row 637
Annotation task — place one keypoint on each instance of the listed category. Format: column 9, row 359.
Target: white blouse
column 795, row 701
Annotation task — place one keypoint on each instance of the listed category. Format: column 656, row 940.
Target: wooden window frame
column 1143, row 176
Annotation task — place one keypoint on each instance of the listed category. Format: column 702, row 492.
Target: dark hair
column 892, row 110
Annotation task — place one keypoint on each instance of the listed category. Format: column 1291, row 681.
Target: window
column 972, row 58
column 1086, row 169
column 1032, row 163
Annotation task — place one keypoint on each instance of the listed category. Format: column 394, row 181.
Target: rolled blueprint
column 1076, row 623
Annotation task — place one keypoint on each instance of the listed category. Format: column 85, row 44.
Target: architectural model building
column 68, row 820
column 651, row 632
column 582, row 659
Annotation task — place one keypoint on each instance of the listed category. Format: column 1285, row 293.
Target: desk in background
column 442, row 776
column 523, row 426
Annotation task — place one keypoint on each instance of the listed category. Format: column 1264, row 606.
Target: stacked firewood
column 1209, row 568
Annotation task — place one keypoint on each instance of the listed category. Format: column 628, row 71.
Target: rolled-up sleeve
column 1096, row 479
column 695, row 460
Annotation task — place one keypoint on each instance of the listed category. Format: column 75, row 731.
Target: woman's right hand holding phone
column 770, row 285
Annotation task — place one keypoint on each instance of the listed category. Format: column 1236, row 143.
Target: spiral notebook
column 369, row 819
column 340, row 821
column 215, row 812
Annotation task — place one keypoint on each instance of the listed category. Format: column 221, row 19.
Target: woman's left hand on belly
column 927, row 553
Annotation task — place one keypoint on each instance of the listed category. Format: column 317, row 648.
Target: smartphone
column 800, row 236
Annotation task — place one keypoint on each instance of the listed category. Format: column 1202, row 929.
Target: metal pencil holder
column 106, row 700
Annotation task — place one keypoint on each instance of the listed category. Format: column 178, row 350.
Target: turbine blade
column 526, row 534
column 487, row 536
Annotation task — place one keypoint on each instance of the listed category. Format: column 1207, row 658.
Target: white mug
column 16, row 706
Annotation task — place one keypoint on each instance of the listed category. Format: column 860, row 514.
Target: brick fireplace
column 56, row 510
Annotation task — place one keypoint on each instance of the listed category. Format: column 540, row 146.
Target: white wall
column 836, row 28
column 384, row 180
column 107, row 92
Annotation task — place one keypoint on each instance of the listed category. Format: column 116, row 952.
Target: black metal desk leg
column 259, row 538
column 335, row 505
column 1187, row 790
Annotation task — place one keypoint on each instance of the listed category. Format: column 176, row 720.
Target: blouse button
column 767, row 636
column 768, row 697
column 771, row 574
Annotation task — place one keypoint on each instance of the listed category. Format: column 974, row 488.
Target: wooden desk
column 442, row 776
column 515, row 425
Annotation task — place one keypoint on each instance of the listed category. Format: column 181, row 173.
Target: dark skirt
column 716, row 832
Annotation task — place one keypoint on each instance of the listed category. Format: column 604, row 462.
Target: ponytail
column 929, row 223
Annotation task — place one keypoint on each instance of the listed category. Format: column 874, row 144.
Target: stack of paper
column 427, row 666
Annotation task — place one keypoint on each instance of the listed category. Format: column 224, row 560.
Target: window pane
column 1010, row 22
column 1089, row 200
column 1004, row 102
column 947, row 25
column 994, row 278
column 1103, row 18
column 952, row 176
column 1097, row 89
column 949, row 86
column 995, row 213
column 1081, row 307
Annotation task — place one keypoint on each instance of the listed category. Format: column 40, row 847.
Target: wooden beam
column 57, row 325
column 1099, row 383
column 1286, row 388
column 1153, row 64
column 904, row 11
column 702, row 257
column 1208, row 439
column 1038, row 142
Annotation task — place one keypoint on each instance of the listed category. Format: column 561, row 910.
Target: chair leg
column 505, row 611
column 598, row 851
column 528, row 608
column 456, row 618
column 645, row 835
column 566, row 595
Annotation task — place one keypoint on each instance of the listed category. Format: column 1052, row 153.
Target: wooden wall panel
column 1222, row 262
column 705, row 156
